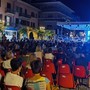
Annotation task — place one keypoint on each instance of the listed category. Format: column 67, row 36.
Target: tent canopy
column 75, row 25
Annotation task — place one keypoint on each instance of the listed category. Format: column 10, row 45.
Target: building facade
column 18, row 13
column 53, row 12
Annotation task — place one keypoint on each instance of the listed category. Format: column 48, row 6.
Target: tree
column 40, row 33
column 44, row 33
column 22, row 31
column 49, row 33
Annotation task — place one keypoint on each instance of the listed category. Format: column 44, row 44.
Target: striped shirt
column 39, row 84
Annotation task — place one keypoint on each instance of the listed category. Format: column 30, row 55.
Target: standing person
column 13, row 78
column 39, row 52
column 31, row 36
column 6, row 64
column 37, row 82
column 13, row 38
column 49, row 55
column 4, row 38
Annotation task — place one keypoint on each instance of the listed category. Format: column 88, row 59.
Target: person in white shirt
column 13, row 78
column 39, row 52
column 9, row 56
column 49, row 55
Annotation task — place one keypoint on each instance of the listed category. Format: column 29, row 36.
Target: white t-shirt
column 38, row 55
column 49, row 56
column 6, row 64
column 13, row 80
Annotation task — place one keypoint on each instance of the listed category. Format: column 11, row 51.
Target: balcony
column 8, row 10
column 25, row 15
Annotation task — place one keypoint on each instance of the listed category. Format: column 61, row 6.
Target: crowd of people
column 16, row 57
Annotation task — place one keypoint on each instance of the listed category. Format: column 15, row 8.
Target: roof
column 75, row 25
column 56, row 6
column 25, row 3
column 57, row 3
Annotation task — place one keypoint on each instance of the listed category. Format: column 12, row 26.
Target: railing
column 24, row 15
column 52, row 19
column 8, row 10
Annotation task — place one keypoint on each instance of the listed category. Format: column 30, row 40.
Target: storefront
column 9, row 32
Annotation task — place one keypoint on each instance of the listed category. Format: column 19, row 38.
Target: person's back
column 13, row 78
column 37, row 82
column 49, row 54
column 39, row 54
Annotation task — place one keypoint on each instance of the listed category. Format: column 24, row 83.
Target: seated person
column 37, row 82
column 13, row 78
column 49, row 55
column 9, row 56
column 39, row 52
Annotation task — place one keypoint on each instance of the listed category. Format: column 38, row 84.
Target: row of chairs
column 66, row 78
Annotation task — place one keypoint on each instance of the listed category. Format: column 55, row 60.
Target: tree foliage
column 23, row 31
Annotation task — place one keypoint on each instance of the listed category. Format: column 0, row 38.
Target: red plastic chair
column 80, row 72
column 64, row 69
column 66, row 81
column 54, row 52
column 47, row 61
column 17, row 54
column 2, row 73
column 29, row 74
column 59, row 62
column 12, row 87
column 88, row 66
column 47, row 74
column 50, row 68
column 29, row 89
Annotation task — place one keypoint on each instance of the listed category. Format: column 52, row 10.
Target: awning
column 11, row 28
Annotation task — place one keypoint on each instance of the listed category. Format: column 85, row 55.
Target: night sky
column 81, row 7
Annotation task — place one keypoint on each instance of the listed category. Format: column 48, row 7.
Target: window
column 0, row 3
column 9, row 5
column 32, row 24
column 50, row 16
column 0, row 16
column 17, row 9
column 17, row 21
column 24, row 22
column 26, row 11
column 32, row 14
column 49, row 27
column 7, row 20
column 20, row 10
column 36, row 15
